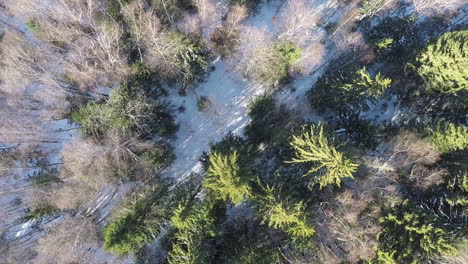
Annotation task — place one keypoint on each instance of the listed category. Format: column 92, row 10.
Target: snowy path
column 229, row 96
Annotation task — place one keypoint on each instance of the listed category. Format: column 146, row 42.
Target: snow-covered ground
column 229, row 96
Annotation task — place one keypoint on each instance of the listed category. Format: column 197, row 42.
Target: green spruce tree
column 327, row 163
column 415, row 235
column 227, row 178
column 348, row 89
column 448, row 137
column 280, row 213
column 443, row 66
column 194, row 227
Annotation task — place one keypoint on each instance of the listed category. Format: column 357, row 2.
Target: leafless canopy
column 69, row 241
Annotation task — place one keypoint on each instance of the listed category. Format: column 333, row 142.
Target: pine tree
column 382, row 257
column 194, row 227
column 328, row 164
column 138, row 221
column 414, row 234
column 227, row 178
column 281, row 213
column 348, row 89
column 443, row 66
column 458, row 196
column 447, row 137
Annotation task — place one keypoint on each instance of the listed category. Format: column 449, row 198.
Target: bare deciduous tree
column 114, row 160
column 432, row 7
column 255, row 45
column 72, row 194
column 296, row 21
column 25, row 63
column 98, row 60
column 353, row 231
column 311, row 57
column 95, row 52
column 225, row 39
column 68, row 242
column 209, row 14
column 150, row 37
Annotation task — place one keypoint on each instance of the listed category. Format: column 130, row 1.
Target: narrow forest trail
column 229, row 96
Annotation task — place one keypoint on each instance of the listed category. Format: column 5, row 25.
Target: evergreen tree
column 447, row 137
column 126, row 109
column 194, row 227
column 138, row 221
column 458, row 195
column 414, row 234
column 328, row 164
column 283, row 214
column 382, row 257
column 347, row 90
column 227, row 178
column 443, row 66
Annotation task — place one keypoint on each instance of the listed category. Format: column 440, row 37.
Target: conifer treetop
column 328, row 163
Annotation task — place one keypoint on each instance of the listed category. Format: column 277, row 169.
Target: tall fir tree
column 443, row 66
column 348, row 89
column 448, row 137
column 327, row 163
column 194, row 227
column 227, row 178
column 415, row 234
column 281, row 213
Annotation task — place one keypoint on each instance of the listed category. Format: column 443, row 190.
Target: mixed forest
column 233, row 131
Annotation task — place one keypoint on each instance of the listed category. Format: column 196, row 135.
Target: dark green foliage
column 415, row 234
column 159, row 158
column 203, row 103
column 186, row 59
column 282, row 213
column 394, row 38
column 32, row 25
column 369, row 8
column 228, row 145
column 268, row 123
column 43, row 211
column 443, row 65
column 254, row 253
column 448, row 137
column 261, row 107
column 246, row 242
column 227, row 177
column 44, row 176
column 458, row 195
column 194, row 226
column 193, row 63
column 126, row 110
column 347, row 90
column 361, row 131
column 114, row 8
column 450, row 199
column 138, row 221
column 169, row 11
